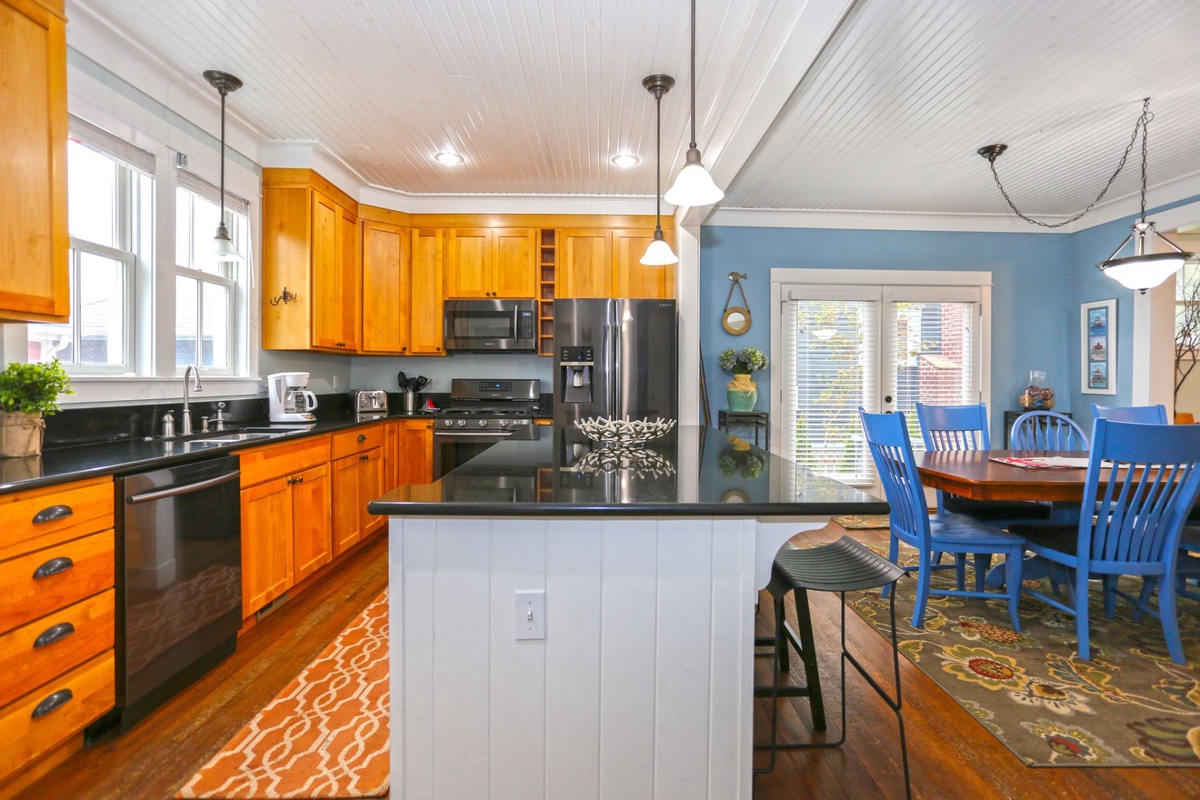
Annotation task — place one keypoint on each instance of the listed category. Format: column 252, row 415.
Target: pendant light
column 693, row 185
column 659, row 253
column 223, row 246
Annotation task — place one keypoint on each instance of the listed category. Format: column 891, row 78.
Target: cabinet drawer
column 54, row 644
column 78, row 569
column 275, row 461
column 92, row 689
column 357, row 440
column 43, row 517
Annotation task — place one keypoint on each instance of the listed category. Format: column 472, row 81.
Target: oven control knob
column 503, row 423
column 448, row 423
column 483, row 423
column 462, row 423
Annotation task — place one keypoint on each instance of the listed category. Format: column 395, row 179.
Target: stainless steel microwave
column 491, row 325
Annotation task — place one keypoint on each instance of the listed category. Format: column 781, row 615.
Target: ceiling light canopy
column 448, row 158
column 659, row 253
column 1144, row 269
column 625, row 160
column 223, row 247
column 693, row 186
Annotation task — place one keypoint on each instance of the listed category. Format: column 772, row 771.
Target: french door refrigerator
column 614, row 358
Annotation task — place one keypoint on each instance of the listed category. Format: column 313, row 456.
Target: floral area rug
column 1130, row 705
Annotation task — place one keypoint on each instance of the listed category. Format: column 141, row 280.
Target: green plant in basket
column 29, row 392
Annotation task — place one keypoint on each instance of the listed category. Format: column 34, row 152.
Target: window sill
column 114, row 389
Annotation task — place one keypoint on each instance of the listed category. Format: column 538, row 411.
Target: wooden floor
column 951, row 755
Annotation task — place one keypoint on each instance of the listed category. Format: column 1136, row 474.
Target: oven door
column 452, row 449
column 486, row 325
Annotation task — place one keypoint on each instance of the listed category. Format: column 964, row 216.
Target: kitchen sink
column 236, row 438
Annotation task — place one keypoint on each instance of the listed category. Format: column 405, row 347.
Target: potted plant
column 742, row 394
column 29, row 392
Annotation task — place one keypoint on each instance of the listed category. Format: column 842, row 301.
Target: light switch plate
column 531, row 614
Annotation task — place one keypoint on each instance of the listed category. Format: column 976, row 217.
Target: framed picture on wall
column 1098, row 345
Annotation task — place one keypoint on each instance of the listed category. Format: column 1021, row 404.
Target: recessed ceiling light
column 449, row 159
column 625, row 160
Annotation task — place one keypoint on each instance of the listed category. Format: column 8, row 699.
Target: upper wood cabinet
column 491, row 262
column 386, row 284
column 34, row 282
column 426, row 286
column 605, row 263
column 310, row 248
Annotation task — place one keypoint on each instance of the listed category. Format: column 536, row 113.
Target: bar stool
column 842, row 566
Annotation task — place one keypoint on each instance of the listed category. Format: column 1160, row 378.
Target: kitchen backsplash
column 374, row 372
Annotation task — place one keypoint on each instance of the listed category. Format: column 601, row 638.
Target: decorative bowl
column 638, row 461
column 624, row 431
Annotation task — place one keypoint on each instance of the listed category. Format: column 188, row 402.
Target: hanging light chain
column 1139, row 127
column 693, row 81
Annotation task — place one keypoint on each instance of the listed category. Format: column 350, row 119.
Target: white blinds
column 830, row 344
column 100, row 139
column 208, row 191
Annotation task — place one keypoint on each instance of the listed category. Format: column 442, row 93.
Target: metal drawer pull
column 364, row 458
column 61, row 697
column 362, row 437
column 53, row 567
column 52, row 513
column 52, row 634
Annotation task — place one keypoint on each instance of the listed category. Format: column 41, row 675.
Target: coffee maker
column 290, row 399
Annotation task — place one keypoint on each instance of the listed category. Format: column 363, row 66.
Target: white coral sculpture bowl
column 624, row 431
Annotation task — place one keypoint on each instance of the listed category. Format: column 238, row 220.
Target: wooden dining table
column 972, row 473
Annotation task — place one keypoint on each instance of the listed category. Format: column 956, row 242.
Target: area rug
column 862, row 522
column 1130, row 705
column 324, row 736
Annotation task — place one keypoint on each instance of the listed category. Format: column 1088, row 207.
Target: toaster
column 369, row 400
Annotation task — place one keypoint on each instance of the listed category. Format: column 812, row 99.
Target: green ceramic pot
column 742, row 394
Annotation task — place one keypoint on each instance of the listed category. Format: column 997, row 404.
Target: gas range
column 500, row 409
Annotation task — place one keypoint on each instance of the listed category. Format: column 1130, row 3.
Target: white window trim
column 130, row 260
column 781, row 277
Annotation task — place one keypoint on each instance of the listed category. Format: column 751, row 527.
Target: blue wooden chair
column 891, row 448
column 1047, row 430
column 1132, row 527
column 1147, row 415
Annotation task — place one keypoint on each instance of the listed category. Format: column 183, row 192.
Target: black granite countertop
column 70, row 463
column 692, row 471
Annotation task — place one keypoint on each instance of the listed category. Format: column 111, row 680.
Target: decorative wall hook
column 284, row 298
column 736, row 319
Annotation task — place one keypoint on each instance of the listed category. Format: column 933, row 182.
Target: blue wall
column 1031, row 294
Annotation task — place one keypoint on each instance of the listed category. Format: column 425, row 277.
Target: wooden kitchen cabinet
column 631, row 278
column 34, row 282
column 427, row 334
column 312, row 545
column 386, row 291
column 414, row 451
column 357, row 479
column 491, row 262
column 310, row 248
column 605, row 263
column 267, row 567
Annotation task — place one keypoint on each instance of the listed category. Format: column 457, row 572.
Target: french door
column 881, row 347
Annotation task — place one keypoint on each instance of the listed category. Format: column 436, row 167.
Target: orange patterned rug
column 324, row 736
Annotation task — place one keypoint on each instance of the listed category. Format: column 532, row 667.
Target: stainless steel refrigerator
column 615, row 358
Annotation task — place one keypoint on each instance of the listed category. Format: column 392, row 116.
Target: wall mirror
column 736, row 319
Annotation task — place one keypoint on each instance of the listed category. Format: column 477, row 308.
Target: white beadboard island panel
column 642, row 687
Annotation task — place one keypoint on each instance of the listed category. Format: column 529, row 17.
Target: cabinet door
column 516, row 263
column 33, row 164
column 326, row 272
column 415, row 452
column 349, row 287
column 585, row 263
column 312, row 543
column 469, row 263
column 391, row 455
column 385, row 288
column 347, row 520
column 370, row 486
column 634, row 279
column 427, row 328
column 267, row 570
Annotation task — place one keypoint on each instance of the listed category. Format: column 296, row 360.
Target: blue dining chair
column 1148, row 415
column 1047, row 430
column 891, row 449
column 1131, row 527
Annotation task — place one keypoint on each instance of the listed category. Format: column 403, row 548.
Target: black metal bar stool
column 841, row 567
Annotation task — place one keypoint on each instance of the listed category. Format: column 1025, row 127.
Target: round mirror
column 736, row 320
column 735, row 496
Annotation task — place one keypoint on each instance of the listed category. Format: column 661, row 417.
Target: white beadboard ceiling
column 537, row 95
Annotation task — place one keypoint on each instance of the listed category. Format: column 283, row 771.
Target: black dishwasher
column 179, row 581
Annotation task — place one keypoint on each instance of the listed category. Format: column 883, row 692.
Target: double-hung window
column 209, row 294
column 110, row 211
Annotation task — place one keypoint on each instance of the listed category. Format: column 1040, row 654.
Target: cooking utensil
column 402, row 379
column 421, row 383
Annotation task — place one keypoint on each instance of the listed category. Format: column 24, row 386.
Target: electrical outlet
column 337, row 384
column 531, row 614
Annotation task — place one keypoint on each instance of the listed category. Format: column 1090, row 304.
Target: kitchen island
column 639, row 570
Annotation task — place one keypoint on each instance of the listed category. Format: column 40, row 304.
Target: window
column 110, row 199
column 207, row 318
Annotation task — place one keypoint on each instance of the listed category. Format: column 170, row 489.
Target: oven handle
column 175, row 491
column 471, row 435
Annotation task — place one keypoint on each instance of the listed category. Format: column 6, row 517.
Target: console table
column 758, row 420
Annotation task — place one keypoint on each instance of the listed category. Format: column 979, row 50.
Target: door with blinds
column 884, row 348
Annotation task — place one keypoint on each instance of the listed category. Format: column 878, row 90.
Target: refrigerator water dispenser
column 577, row 365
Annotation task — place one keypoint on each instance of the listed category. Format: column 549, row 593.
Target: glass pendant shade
column 659, row 253
column 223, row 247
column 1142, row 270
column 693, row 186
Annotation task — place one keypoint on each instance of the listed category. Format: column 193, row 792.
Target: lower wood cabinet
column 267, row 569
column 357, row 479
column 312, row 545
column 414, row 451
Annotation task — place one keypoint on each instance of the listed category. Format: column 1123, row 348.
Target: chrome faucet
column 185, row 424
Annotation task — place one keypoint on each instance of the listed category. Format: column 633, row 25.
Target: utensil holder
column 408, row 402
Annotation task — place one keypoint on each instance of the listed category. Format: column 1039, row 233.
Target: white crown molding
column 869, row 220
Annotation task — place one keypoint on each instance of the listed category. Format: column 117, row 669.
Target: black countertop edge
column 67, row 464
column 763, row 510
